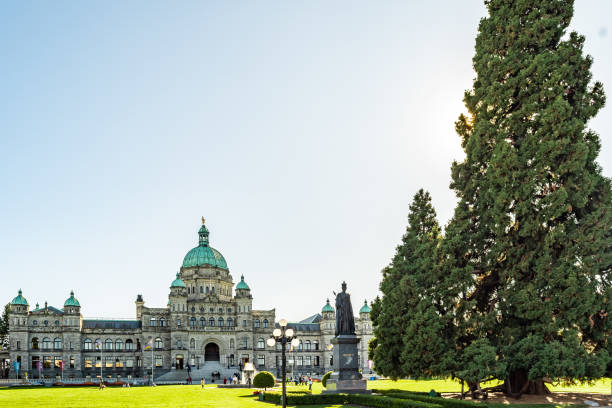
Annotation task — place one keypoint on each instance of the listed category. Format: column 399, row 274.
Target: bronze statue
column 345, row 321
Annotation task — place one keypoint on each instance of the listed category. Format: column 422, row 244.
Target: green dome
column 204, row 254
column 19, row 300
column 327, row 307
column 365, row 308
column 71, row 301
column 242, row 284
column 177, row 283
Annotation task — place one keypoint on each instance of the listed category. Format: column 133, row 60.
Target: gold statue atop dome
column 203, row 221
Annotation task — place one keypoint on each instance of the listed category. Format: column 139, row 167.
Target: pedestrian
column 309, row 383
column 203, row 382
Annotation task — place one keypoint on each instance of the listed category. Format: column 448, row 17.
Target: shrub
column 325, row 378
column 444, row 402
column 365, row 400
column 264, row 380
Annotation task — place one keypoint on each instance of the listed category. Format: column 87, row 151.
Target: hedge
column 397, row 390
column 444, row 402
column 367, row 400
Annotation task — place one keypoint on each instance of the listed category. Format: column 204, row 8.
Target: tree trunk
column 518, row 384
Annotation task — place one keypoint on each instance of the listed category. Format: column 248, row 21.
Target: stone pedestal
column 346, row 378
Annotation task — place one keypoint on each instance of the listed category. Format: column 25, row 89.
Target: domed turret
column 204, row 254
column 72, row 301
column 242, row 284
column 19, row 300
column 178, row 282
column 365, row 308
column 327, row 308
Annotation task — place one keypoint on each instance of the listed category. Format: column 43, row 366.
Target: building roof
column 365, row 308
column 19, row 300
column 315, row 318
column 327, row 307
column 178, row 282
column 111, row 324
column 204, row 254
column 72, row 301
column 242, row 284
column 303, row 327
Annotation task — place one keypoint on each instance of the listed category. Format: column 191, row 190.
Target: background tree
column 411, row 327
column 4, row 327
column 527, row 253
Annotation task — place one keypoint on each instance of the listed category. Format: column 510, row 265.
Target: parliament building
column 208, row 329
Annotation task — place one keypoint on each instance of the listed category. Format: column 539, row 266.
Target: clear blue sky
column 300, row 130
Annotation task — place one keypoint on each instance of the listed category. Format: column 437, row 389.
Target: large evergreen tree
column 4, row 327
column 527, row 256
column 411, row 334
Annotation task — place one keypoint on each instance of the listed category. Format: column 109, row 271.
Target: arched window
column 301, row 346
column 192, row 344
column 162, row 322
column 207, row 290
column 261, row 343
column 159, row 344
column 220, row 310
column 211, row 321
column 35, row 343
column 46, row 343
column 108, row 344
column 152, row 322
column 201, row 289
column 213, row 289
column 118, row 345
column 238, row 309
column 315, row 344
column 129, row 345
column 192, row 322
column 230, row 321
column 265, row 323
column 220, row 322
column 256, row 323
column 231, row 344
column 179, row 344
column 245, row 342
column 307, row 345
column 57, row 343
column 202, row 322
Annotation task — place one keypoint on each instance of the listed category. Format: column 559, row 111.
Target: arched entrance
column 211, row 352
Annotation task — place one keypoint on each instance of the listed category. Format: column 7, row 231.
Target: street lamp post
column 283, row 336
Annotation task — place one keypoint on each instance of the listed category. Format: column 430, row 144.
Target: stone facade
column 207, row 327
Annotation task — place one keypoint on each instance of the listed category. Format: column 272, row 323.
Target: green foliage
column 413, row 338
column 443, row 402
column 528, row 253
column 325, row 378
column 4, row 327
column 264, row 379
column 364, row 400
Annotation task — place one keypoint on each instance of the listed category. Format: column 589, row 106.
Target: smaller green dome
column 242, row 284
column 365, row 308
column 327, row 307
column 177, row 283
column 71, row 301
column 19, row 300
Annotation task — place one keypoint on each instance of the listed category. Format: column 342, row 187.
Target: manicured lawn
column 194, row 396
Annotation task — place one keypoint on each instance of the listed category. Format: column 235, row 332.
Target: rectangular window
column 18, row 345
column 109, row 362
column 178, row 322
column 290, row 359
column 138, row 362
column 35, row 360
column 118, row 363
column 56, row 362
column 316, row 361
column 98, row 362
column 71, row 346
column 159, row 361
column 47, row 361
column 307, row 361
column 261, row 361
column 244, row 323
column 300, row 361
column 71, row 362
column 87, row 363
column 129, row 363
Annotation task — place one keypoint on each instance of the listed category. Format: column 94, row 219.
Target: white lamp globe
column 276, row 332
column 271, row 342
column 282, row 322
column 295, row 342
column 289, row 332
